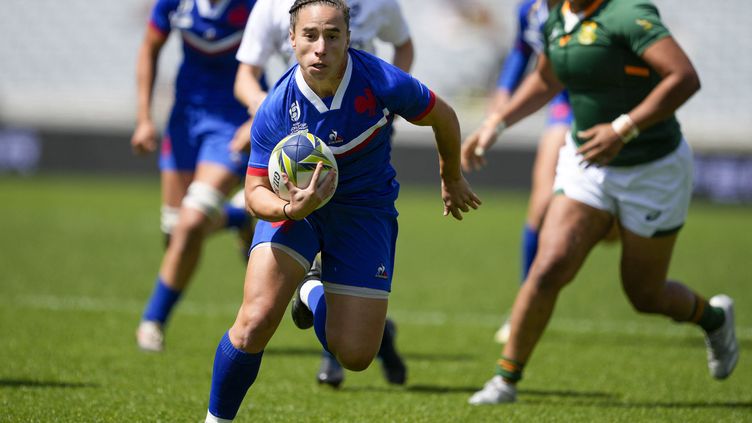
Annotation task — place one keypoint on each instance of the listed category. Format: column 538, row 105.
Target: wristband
column 284, row 211
column 500, row 127
column 625, row 128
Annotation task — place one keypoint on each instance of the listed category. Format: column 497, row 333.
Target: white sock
column 307, row 288
column 210, row 418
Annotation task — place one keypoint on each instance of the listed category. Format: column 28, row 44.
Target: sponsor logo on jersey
column 587, row 34
column 335, row 138
column 295, row 111
column 366, row 103
column 381, row 272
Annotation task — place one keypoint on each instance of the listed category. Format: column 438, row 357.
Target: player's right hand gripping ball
column 297, row 155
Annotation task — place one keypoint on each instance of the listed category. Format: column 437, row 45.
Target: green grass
column 78, row 258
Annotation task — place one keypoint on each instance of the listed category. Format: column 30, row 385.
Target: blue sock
column 161, row 302
column 234, row 372
column 236, row 217
column 529, row 249
column 317, row 304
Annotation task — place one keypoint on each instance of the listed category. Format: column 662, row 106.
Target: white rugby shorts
column 650, row 199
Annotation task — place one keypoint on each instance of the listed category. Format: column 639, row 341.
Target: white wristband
column 625, row 128
column 500, row 127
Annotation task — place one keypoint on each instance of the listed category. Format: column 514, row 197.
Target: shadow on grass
column 293, row 351
column 447, row 389
column 608, row 400
column 306, row 351
column 679, row 404
column 27, row 383
column 636, row 341
column 646, row 404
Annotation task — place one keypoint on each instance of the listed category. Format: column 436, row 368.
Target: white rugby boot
column 723, row 349
column 495, row 391
column 150, row 336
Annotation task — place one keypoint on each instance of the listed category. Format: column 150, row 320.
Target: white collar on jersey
column 209, row 11
column 314, row 98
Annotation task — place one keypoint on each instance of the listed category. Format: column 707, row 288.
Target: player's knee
column 353, row 355
column 205, row 199
column 355, row 361
column 192, row 226
column 253, row 329
column 550, row 272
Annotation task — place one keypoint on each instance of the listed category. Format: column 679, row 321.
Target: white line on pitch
column 418, row 318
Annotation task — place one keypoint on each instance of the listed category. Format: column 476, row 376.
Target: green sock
column 509, row 369
column 711, row 318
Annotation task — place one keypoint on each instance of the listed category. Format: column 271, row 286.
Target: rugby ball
column 297, row 155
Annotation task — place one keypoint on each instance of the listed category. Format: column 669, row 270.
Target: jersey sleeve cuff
column 257, row 171
column 429, row 107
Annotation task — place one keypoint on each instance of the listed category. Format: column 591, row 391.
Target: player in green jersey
column 625, row 159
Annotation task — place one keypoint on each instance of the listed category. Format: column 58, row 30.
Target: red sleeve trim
column 153, row 25
column 431, row 103
column 256, row 171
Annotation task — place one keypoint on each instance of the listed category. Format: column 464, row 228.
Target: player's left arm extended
column 455, row 191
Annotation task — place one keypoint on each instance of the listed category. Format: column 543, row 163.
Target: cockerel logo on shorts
column 381, row 272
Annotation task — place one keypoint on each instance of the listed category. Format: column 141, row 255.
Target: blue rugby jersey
column 531, row 15
column 355, row 123
column 210, row 36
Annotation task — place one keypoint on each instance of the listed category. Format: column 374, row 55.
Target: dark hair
column 337, row 4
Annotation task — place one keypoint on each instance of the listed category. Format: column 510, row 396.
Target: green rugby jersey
column 599, row 62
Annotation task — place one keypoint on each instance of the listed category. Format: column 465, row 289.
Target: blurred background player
column 625, row 159
column 267, row 34
column 333, row 90
column 528, row 42
column 198, row 170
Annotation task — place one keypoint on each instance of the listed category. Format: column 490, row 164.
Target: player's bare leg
column 543, row 174
column 569, row 232
column 270, row 281
column 644, row 267
column 200, row 213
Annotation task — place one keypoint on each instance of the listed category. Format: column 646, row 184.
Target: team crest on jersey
column 295, row 111
column 335, row 138
column 587, row 34
column 182, row 18
column 645, row 24
column 366, row 103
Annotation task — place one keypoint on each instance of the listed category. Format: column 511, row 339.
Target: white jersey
column 268, row 27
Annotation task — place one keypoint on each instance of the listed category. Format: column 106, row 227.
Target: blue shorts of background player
column 197, row 134
column 559, row 111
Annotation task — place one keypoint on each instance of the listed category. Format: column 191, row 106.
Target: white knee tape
column 168, row 219
column 204, row 198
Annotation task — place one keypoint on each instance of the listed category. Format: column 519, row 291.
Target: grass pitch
column 78, row 259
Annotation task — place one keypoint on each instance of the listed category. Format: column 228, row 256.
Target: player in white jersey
column 267, row 34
